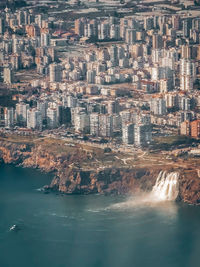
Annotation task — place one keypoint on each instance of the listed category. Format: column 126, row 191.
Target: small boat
column 14, row 227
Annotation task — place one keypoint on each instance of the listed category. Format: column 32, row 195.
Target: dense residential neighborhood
column 117, row 77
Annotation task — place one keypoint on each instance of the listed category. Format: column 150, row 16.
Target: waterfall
column 166, row 186
column 164, row 192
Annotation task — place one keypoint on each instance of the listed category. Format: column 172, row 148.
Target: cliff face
column 105, row 181
column 13, row 153
column 190, row 186
column 72, row 178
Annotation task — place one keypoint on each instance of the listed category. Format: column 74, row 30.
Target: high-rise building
column 52, row 118
column 94, row 124
column 91, row 74
column 148, row 23
column 113, row 51
column 42, row 107
column 171, row 100
column 8, row 74
column 117, row 123
column 125, row 117
column 187, row 25
column 142, row 134
column 9, row 117
column 15, row 61
column 157, row 41
column 55, row 72
column 164, row 86
column 32, row 30
column 79, row 27
column 113, row 106
column 15, row 45
column 21, row 17
column 186, row 51
column 157, row 54
column 82, row 122
column 195, row 128
column 103, row 31
column 184, row 103
column 34, row 119
column 21, row 113
column 186, row 83
column 114, row 32
column 2, row 26
column 198, row 53
column 45, row 39
column 130, row 36
column 187, row 67
column 38, row 20
column 128, row 133
column 187, row 74
column 64, row 115
column 176, row 22
column 185, row 128
column 70, row 101
column 105, row 125
column 158, row 106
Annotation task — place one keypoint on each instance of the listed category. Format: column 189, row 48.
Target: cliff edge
column 84, row 169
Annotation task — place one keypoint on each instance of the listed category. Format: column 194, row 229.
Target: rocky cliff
column 76, row 172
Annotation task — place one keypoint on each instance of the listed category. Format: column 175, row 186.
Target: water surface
column 91, row 231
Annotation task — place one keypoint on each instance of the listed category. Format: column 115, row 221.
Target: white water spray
column 165, row 190
column 166, row 186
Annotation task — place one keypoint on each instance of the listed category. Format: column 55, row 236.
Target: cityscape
column 99, row 133
column 121, row 78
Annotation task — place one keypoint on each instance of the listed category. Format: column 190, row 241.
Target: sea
column 57, row 230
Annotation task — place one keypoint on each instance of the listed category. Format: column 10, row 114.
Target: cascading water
column 166, row 186
column 166, row 189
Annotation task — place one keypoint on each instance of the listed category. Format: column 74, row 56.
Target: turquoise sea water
column 91, row 231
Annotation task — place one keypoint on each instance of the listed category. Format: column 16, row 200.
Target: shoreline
column 85, row 170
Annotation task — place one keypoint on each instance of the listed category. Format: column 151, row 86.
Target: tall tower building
column 79, row 27
column 34, row 119
column 94, row 124
column 55, row 73
column 91, row 74
column 157, row 41
column 2, row 26
column 45, row 39
column 158, row 106
column 113, row 50
column 21, row 113
column 142, row 134
column 105, row 125
column 8, row 76
column 82, row 122
column 187, row 25
column 186, row 51
column 104, row 31
column 128, row 133
column 176, row 22
column 187, row 74
column 148, row 23
column 52, row 121
column 9, row 117
column 21, row 18
column 130, row 36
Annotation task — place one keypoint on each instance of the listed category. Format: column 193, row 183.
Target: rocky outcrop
column 107, row 181
column 71, row 178
column 13, row 153
column 190, row 186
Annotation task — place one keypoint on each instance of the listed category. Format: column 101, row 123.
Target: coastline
column 86, row 170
